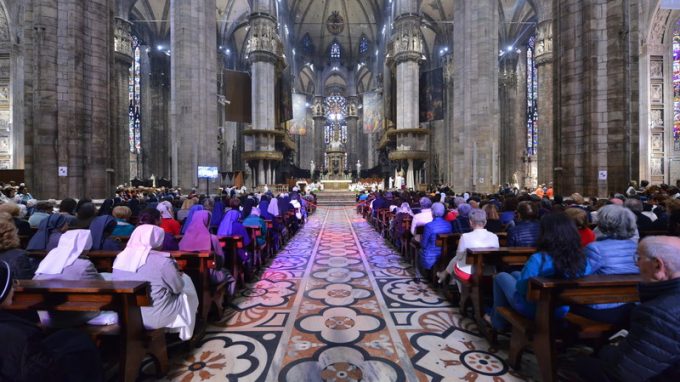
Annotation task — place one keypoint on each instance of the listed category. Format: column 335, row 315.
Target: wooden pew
column 448, row 243
column 124, row 297
column 542, row 332
column 406, row 236
column 472, row 291
column 231, row 246
column 255, row 232
column 195, row 264
column 414, row 246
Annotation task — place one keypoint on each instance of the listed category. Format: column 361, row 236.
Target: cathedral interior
column 441, row 92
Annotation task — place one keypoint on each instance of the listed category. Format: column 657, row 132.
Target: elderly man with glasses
column 651, row 350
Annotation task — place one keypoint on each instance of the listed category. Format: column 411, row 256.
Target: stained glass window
column 676, row 87
column 335, row 108
column 307, row 45
column 363, row 44
column 532, row 99
column 335, row 50
column 135, row 99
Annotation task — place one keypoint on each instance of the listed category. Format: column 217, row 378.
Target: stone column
column 513, row 133
column 354, row 136
column 475, row 107
column 264, row 51
column 546, row 136
column 445, row 160
column 319, row 122
column 408, row 48
column 119, row 137
column 193, row 92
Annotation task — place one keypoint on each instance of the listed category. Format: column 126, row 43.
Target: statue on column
column 358, row 169
column 312, row 167
column 399, row 180
column 391, row 183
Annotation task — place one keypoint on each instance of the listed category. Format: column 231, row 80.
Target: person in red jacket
column 168, row 223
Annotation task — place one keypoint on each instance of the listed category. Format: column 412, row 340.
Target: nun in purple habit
column 217, row 214
column 190, row 216
column 231, row 226
column 198, row 238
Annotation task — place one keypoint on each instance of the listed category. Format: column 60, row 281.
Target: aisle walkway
column 337, row 304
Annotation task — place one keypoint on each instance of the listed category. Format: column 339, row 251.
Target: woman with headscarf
column 65, row 355
column 198, row 238
column 168, row 223
column 397, row 230
column 264, row 206
column 248, row 205
column 173, row 296
column 68, row 262
column 254, row 219
column 195, row 208
column 102, row 227
column 153, row 216
column 231, row 226
column 48, row 234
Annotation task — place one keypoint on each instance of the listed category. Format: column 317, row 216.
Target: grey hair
column 634, row 205
column 425, row 202
column 617, row 222
column 665, row 248
column 477, row 217
column 438, row 210
column 458, row 201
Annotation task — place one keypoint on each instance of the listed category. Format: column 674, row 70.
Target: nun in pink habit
column 198, row 238
column 173, row 295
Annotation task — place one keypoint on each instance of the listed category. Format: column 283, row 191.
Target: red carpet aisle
column 337, row 304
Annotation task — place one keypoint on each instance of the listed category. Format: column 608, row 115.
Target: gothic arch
column 8, row 138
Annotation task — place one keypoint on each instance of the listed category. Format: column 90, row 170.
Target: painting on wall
column 656, row 69
column 432, row 95
column 656, row 166
column 374, row 116
column 298, row 125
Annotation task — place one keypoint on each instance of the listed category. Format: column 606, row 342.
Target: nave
column 338, row 304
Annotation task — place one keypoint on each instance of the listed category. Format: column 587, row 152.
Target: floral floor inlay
column 339, row 304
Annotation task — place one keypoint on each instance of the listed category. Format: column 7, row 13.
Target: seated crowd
column 142, row 229
column 570, row 238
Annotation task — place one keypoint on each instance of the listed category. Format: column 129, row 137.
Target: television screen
column 207, row 172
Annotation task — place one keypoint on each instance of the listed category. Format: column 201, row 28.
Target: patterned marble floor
column 338, row 304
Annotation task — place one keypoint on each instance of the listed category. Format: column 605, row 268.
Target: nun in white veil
column 173, row 295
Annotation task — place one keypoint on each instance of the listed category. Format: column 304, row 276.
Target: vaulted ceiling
column 517, row 17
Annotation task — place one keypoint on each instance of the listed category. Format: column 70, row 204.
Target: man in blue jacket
column 430, row 252
column 651, row 350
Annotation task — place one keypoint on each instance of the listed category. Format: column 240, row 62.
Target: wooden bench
column 124, row 297
column 231, row 245
column 542, row 332
column 414, row 246
column 196, row 265
column 473, row 290
column 255, row 232
column 448, row 243
column 406, row 236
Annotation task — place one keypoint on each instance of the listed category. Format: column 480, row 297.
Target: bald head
column 659, row 258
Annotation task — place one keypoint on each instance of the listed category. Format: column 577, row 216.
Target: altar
column 336, row 184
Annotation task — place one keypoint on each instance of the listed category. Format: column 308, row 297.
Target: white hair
column 664, row 248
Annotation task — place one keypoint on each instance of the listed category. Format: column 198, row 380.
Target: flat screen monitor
column 208, row 172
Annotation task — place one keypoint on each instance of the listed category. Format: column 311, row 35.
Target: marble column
column 319, row 123
column 512, row 93
column 408, row 48
column 264, row 52
column 354, row 136
column 120, row 147
column 193, row 92
column 546, row 136
column 476, row 121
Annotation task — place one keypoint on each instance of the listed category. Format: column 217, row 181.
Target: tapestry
column 432, row 95
column 374, row 118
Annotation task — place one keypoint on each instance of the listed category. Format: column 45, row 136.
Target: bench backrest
column 80, row 295
column 594, row 289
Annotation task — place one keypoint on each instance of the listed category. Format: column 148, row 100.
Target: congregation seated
column 493, row 219
column 43, row 210
column 404, row 211
column 649, row 352
column 86, row 213
column 186, row 207
column 122, row 214
column 559, row 256
column 643, row 222
column 62, row 356
column 23, row 267
column 199, row 238
column 68, row 262
column 187, row 221
column 421, row 218
column 49, row 231
column 102, row 228
column 580, row 218
column 153, row 216
column 525, row 231
column 168, row 222
column 613, row 253
column 67, row 208
column 462, row 222
column 173, row 296
column 255, row 220
column 430, row 252
column 231, row 226
column 479, row 237
column 22, row 225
